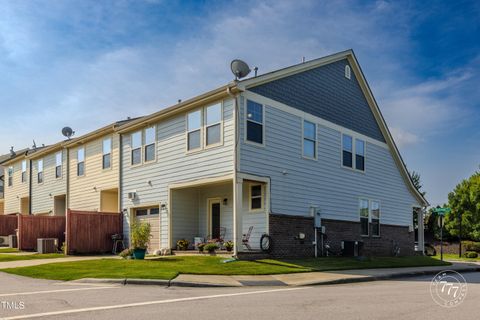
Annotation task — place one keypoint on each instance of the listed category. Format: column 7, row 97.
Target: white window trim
column 61, row 165
column 262, row 195
column 132, row 149
column 144, row 144
column 354, row 162
column 26, row 169
column 200, row 148
column 348, row 72
column 220, row 143
column 360, row 216
column 84, row 162
column 370, row 215
column 38, row 171
column 10, row 174
column 148, row 208
column 253, row 143
column 316, row 140
column 111, row 153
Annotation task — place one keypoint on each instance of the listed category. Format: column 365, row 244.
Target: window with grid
column 347, row 151
column 309, row 139
column 150, row 144
column 80, row 161
column 24, row 171
column 107, row 153
column 254, row 122
column 375, row 217
column 194, row 130
column 136, row 142
column 256, row 197
column 213, row 124
column 58, row 165
column 40, row 171
column 364, row 217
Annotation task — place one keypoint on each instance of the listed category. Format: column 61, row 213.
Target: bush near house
column 471, row 246
column 471, row 255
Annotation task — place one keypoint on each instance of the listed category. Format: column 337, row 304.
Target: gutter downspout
column 120, row 179
column 30, row 187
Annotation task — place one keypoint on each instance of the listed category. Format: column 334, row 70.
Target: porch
column 205, row 210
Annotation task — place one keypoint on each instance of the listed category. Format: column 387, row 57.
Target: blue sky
column 88, row 63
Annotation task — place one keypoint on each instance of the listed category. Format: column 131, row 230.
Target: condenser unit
column 47, row 245
column 4, row 242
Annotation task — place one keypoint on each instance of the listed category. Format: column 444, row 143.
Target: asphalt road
column 407, row 298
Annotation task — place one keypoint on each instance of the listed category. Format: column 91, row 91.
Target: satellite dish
column 239, row 68
column 68, row 132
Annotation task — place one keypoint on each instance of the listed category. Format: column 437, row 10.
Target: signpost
column 441, row 212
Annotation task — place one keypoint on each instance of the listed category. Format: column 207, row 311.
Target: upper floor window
column 58, row 165
column 364, row 217
column 80, row 161
column 347, row 151
column 256, row 197
column 40, row 171
column 309, row 139
column 107, row 153
column 375, row 218
column 24, row 170
column 254, row 122
column 213, row 124
column 360, row 154
column 348, row 72
column 136, row 147
column 194, row 130
column 10, row 176
column 150, row 134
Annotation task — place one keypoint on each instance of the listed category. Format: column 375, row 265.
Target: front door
column 215, row 219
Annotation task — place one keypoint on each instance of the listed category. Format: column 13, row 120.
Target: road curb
column 176, row 283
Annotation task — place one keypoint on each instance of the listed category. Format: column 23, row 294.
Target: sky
column 86, row 64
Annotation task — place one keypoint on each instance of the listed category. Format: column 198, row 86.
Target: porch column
column 421, row 236
column 237, row 215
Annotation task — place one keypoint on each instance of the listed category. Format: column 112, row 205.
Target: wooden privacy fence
column 91, row 232
column 8, row 224
column 30, row 228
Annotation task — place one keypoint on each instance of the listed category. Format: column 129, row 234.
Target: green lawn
column 8, row 250
column 16, row 257
column 170, row 267
column 450, row 256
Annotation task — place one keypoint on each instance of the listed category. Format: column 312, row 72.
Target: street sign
column 442, row 211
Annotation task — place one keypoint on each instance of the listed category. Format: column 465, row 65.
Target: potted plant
column 182, row 244
column 140, row 239
column 228, row 246
column 201, row 247
column 211, row 247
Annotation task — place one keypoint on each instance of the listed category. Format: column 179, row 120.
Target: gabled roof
column 23, row 153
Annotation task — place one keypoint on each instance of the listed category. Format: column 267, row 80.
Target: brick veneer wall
column 284, row 230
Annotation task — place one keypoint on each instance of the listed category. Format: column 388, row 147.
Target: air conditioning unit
column 4, row 241
column 47, row 245
column 132, row 195
column 12, row 241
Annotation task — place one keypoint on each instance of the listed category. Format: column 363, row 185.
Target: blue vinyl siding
column 326, row 93
column 323, row 182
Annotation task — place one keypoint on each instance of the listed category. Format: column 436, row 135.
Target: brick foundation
column 284, row 230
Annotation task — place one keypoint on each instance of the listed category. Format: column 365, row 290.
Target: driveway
column 407, row 298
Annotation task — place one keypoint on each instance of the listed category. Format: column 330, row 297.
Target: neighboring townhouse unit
column 2, row 182
column 264, row 156
column 49, row 180
column 93, row 170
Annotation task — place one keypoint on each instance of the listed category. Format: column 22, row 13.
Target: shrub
column 211, row 247
column 126, row 253
column 182, row 244
column 228, row 245
column 201, row 246
column 471, row 246
column 140, row 235
column 471, row 254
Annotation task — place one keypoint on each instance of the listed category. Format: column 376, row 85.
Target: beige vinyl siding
column 2, row 206
column 19, row 190
column 85, row 191
column 43, row 194
column 174, row 164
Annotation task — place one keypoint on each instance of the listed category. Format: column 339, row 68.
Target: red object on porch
column 91, row 232
column 246, row 238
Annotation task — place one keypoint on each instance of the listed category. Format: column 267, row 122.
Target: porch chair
column 246, row 238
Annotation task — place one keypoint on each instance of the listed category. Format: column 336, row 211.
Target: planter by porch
column 139, row 253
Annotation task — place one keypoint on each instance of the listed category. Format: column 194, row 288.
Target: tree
column 465, row 204
column 417, row 182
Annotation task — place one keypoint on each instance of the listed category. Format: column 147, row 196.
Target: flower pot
column 139, row 253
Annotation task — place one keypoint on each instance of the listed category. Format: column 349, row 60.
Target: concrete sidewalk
column 294, row 279
column 37, row 262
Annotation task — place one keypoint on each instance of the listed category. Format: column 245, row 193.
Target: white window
column 136, row 142
column 364, row 217
column 309, row 139
column 359, row 154
column 10, row 176
column 80, row 161
column 213, row 124
column 194, row 130
column 150, row 134
column 347, row 151
column 348, row 72
column 256, row 197
column 107, row 153
column 24, row 170
column 375, row 218
column 147, row 211
column 40, row 171
column 58, row 165
column 254, row 122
